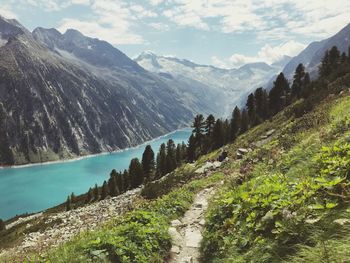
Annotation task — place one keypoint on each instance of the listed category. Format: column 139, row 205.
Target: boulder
column 243, row 151
column 270, row 132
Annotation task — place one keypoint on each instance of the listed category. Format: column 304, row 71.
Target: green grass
column 296, row 187
column 138, row 236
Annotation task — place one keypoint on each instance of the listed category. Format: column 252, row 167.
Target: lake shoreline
column 79, row 158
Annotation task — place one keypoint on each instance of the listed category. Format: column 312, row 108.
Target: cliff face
column 69, row 95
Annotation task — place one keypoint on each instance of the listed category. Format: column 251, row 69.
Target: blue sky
column 225, row 33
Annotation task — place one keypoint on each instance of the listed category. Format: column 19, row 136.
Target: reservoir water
column 34, row 188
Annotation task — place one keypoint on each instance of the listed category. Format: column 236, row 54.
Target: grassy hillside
column 293, row 202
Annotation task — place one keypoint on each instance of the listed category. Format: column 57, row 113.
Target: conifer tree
column 136, row 173
column 148, row 163
column 235, row 123
column 104, row 191
column 161, row 161
column 2, row 225
column 68, row 204
column 279, row 94
column 198, row 130
column 183, row 151
column 96, row 193
column 298, row 81
column 334, row 57
column 120, row 182
column 179, row 157
column 209, row 125
column 170, row 156
column 244, row 121
column 218, row 134
column 89, row 196
column 262, row 104
column 72, row 198
column 325, row 67
column 306, row 85
column 343, row 57
column 251, row 109
column 126, row 180
column 191, row 149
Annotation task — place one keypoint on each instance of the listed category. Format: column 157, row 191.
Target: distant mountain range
column 233, row 84
column 65, row 95
column 312, row 55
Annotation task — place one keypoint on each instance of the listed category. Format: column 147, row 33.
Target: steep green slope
column 293, row 203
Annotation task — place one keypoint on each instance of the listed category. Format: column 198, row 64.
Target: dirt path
column 187, row 232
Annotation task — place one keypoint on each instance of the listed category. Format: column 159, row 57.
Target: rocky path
column 187, row 232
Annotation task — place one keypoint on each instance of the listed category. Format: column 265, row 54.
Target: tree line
column 210, row 133
column 151, row 167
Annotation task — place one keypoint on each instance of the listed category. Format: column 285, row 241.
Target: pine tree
column 120, row 182
column 198, row 130
column 96, row 193
column 179, row 157
column 226, row 131
column 68, row 204
column 126, row 180
column 244, row 121
column 251, row 109
column 325, row 67
column 279, row 94
column 72, row 198
column 191, row 149
column 112, row 183
column 148, row 163
column 89, row 196
column 334, row 57
column 209, row 125
column 343, row 57
column 183, row 151
column 298, row 81
column 170, row 156
column 262, row 104
column 306, row 85
column 136, row 173
column 104, row 191
column 218, row 134
column 2, row 225
column 235, row 123
column 161, row 161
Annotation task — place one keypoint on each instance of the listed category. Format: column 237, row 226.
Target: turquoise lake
column 35, row 188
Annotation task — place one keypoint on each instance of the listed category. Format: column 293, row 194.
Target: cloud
column 268, row 19
column 112, row 34
column 268, row 54
column 159, row 26
column 7, row 12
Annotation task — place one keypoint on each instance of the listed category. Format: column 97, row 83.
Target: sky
column 224, row 33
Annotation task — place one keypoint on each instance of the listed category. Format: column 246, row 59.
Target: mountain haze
column 232, row 84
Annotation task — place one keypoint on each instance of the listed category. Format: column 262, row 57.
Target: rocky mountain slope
column 232, row 84
column 64, row 95
column 311, row 56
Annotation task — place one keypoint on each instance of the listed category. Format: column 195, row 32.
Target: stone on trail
column 270, row 132
column 176, row 223
column 175, row 250
column 175, row 236
column 187, row 260
column 193, row 237
column 243, row 151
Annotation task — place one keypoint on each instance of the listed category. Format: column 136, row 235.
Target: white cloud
column 155, row 2
column 159, row 26
column 7, row 12
column 269, row 19
column 268, row 54
column 112, row 34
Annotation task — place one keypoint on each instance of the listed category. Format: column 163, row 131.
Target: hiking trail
column 186, row 233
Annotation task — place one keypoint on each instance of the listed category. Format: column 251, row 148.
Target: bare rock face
column 67, row 95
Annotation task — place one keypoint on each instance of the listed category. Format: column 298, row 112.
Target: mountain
column 311, row 56
column 232, row 84
column 66, row 95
